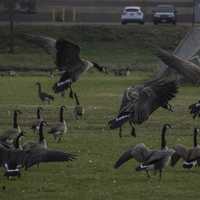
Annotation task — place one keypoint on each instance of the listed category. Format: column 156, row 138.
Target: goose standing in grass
column 150, row 159
column 67, row 59
column 13, row 160
column 187, row 154
column 35, row 126
column 140, row 101
column 12, row 132
column 44, row 97
column 41, row 143
column 78, row 109
column 59, row 129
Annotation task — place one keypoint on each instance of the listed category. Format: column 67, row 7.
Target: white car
column 132, row 14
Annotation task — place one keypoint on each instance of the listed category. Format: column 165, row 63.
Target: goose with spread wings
column 13, row 160
column 67, row 60
column 140, row 101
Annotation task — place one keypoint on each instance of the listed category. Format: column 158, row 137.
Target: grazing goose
column 12, row 132
column 43, row 95
column 61, row 128
column 41, row 143
column 13, row 160
column 187, row 154
column 67, row 59
column 36, row 124
column 142, row 154
column 140, row 101
column 78, row 109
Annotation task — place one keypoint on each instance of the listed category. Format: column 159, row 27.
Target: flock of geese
column 138, row 103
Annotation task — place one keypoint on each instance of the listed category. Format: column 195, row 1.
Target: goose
column 43, row 95
column 67, row 59
column 36, row 124
column 78, row 109
column 13, row 160
column 140, row 101
column 59, row 129
column 186, row 68
column 195, row 109
column 144, row 155
column 12, row 132
column 159, row 158
column 41, row 143
column 187, row 154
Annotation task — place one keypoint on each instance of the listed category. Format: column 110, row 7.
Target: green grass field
column 91, row 176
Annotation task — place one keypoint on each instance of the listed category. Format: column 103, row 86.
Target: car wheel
column 123, row 22
column 174, row 22
column 142, row 22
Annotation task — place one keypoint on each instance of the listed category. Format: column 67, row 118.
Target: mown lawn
column 92, row 175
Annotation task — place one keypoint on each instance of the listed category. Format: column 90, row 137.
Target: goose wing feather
column 140, row 101
column 47, row 43
column 138, row 152
column 47, row 156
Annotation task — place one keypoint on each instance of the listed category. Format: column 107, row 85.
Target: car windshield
column 132, row 10
column 164, row 9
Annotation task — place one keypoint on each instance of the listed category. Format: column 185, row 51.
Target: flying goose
column 60, row 128
column 36, row 124
column 43, row 95
column 12, row 132
column 78, row 109
column 67, row 59
column 186, row 68
column 13, row 160
column 41, row 143
column 144, row 155
column 187, row 154
column 140, row 101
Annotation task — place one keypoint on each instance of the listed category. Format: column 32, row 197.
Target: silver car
column 132, row 14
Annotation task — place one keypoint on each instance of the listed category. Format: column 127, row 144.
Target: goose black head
column 38, row 83
column 196, row 130
column 167, row 126
column 17, row 111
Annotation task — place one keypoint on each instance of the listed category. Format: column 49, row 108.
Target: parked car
column 132, row 14
column 164, row 14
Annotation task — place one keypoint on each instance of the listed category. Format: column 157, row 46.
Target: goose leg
column 120, row 131
column 133, row 129
column 147, row 172
column 160, row 175
column 71, row 93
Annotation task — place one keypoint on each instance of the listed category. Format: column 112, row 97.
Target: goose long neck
column 38, row 113
column 195, row 138
column 61, row 114
column 15, row 124
column 76, row 98
column 163, row 138
column 16, row 142
column 41, row 135
column 39, row 88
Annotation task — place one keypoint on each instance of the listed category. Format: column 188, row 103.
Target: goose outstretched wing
column 139, row 152
column 38, row 156
column 140, row 101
